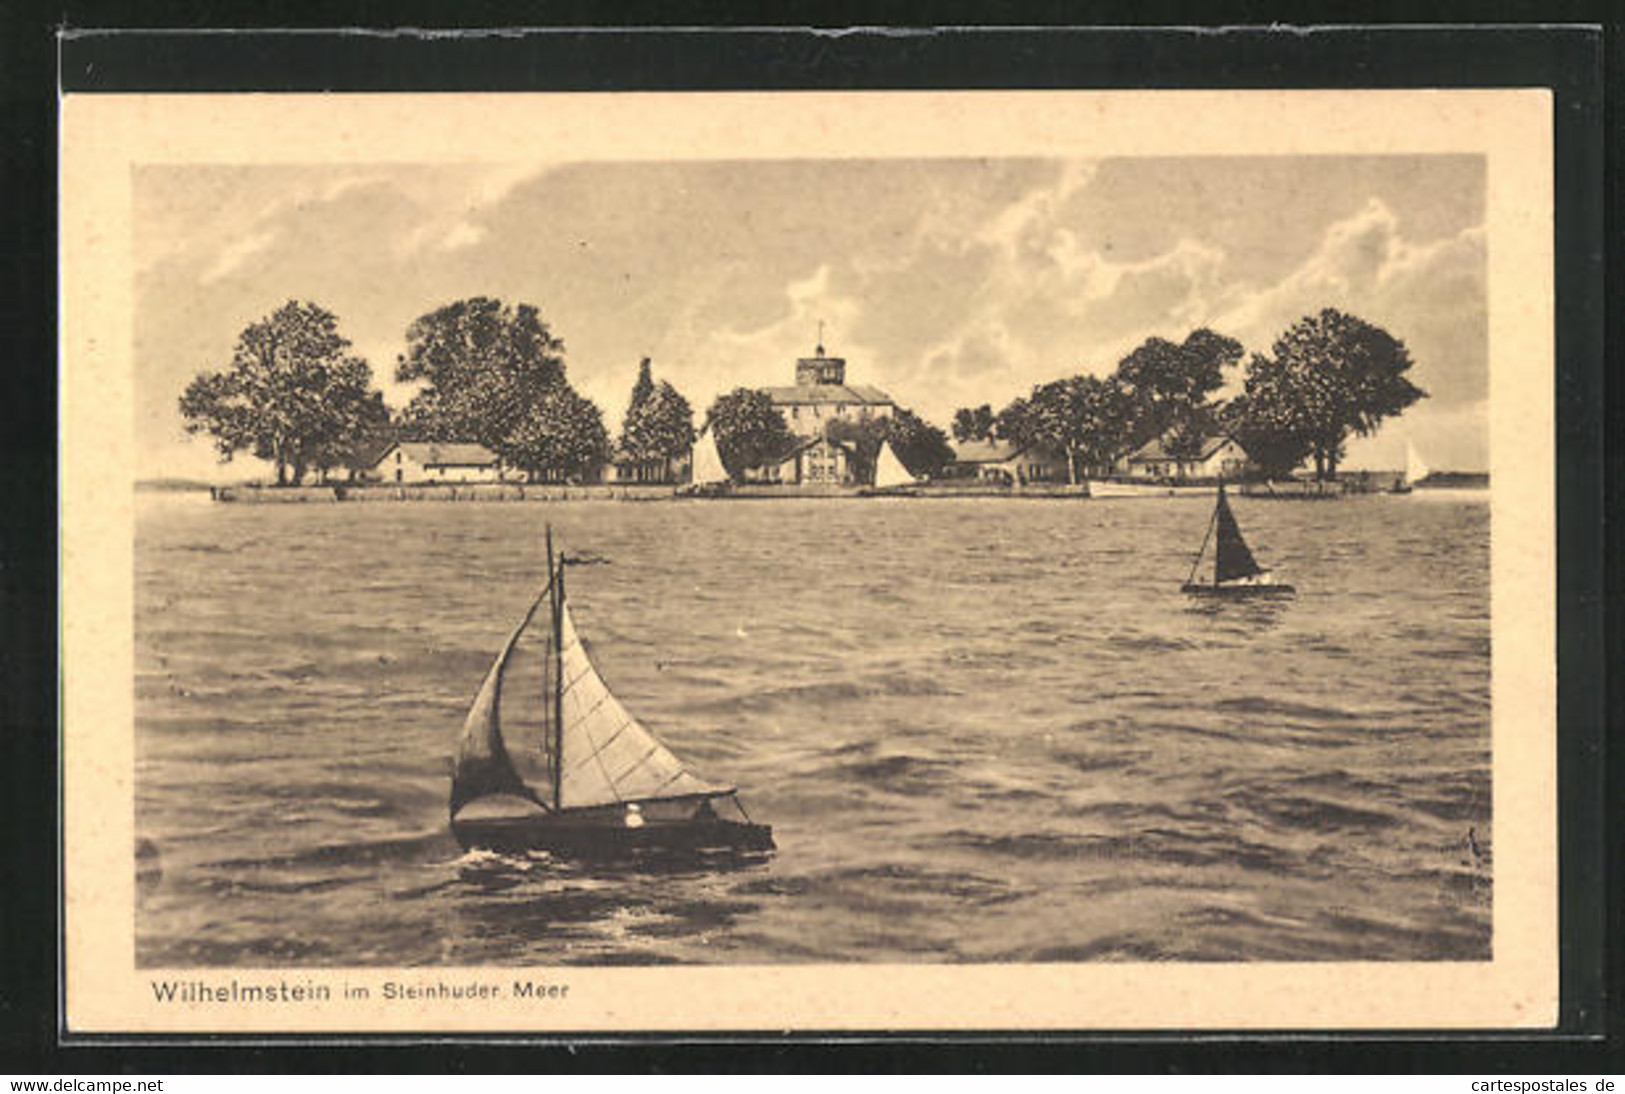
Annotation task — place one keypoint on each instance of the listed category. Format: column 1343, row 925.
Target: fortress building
column 821, row 395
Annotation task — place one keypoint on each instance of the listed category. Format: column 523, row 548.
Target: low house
column 1001, row 461
column 439, row 461
column 1215, row 457
column 811, row 461
column 626, row 470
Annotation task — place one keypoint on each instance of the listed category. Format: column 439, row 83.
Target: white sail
column 708, row 469
column 1415, row 469
column 608, row 756
column 889, row 470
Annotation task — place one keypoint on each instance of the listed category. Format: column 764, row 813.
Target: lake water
column 982, row 729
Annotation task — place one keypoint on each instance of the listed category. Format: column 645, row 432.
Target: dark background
column 1581, row 64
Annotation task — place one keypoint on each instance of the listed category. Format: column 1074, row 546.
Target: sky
column 946, row 283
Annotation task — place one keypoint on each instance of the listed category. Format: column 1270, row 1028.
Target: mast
column 1197, row 561
column 557, row 585
column 1218, row 542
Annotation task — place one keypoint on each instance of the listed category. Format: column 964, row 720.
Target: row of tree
column 295, row 395
column 1329, row 376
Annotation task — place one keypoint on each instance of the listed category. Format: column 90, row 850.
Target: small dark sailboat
column 1235, row 571
column 614, row 791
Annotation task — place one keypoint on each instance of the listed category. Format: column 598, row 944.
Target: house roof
column 804, row 394
column 444, row 453
column 370, row 455
column 798, row 446
column 621, row 455
column 1156, row 449
column 989, row 451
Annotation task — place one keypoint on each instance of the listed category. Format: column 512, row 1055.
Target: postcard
column 590, row 563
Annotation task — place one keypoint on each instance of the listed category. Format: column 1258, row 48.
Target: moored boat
column 611, row 789
column 892, row 479
column 1119, row 488
column 708, row 478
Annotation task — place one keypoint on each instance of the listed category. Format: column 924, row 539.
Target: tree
column 1329, row 375
column 366, row 434
column 973, row 423
column 641, row 389
column 1085, row 417
column 1266, row 421
column 561, row 437
column 1058, row 419
column 921, row 447
column 1170, row 385
column 659, row 423
column 748, row 428
column 486, row 365
column 494, row 373
column 292, row 394
column 1014, row 425
column 864, row 437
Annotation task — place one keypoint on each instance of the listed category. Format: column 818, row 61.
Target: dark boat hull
column 1238, row 591
column 598, row 840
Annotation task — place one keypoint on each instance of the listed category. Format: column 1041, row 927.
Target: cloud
column 1432, row 296
column 808, row 302
column 1050, row 305
column 1058, row 310
column 462, row 234
column 455, row 207
column 1030, row 223
column 235, row 253
column 946, row 283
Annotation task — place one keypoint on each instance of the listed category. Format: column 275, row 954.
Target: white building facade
column 432, row 461
column 1217, row 457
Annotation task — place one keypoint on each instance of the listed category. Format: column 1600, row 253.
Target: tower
column 819, row 369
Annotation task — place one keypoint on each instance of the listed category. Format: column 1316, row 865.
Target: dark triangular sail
column 482, row 765
column 1232, row 559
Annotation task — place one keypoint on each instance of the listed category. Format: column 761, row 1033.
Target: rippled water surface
column 983, row 730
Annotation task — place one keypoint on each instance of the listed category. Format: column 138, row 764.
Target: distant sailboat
column 613, row 790
column 891, row 477
column 1415, row 469
column 1235, row 571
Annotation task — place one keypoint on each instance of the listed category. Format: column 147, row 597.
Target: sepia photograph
column 1050, row 554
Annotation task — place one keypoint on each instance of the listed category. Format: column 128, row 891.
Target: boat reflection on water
column 1249, row 614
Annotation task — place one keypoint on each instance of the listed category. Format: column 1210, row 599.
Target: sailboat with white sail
column 609, row 788
column 1235, row 571
column 892, row 479
column 707, row 476
column 1415, row 470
